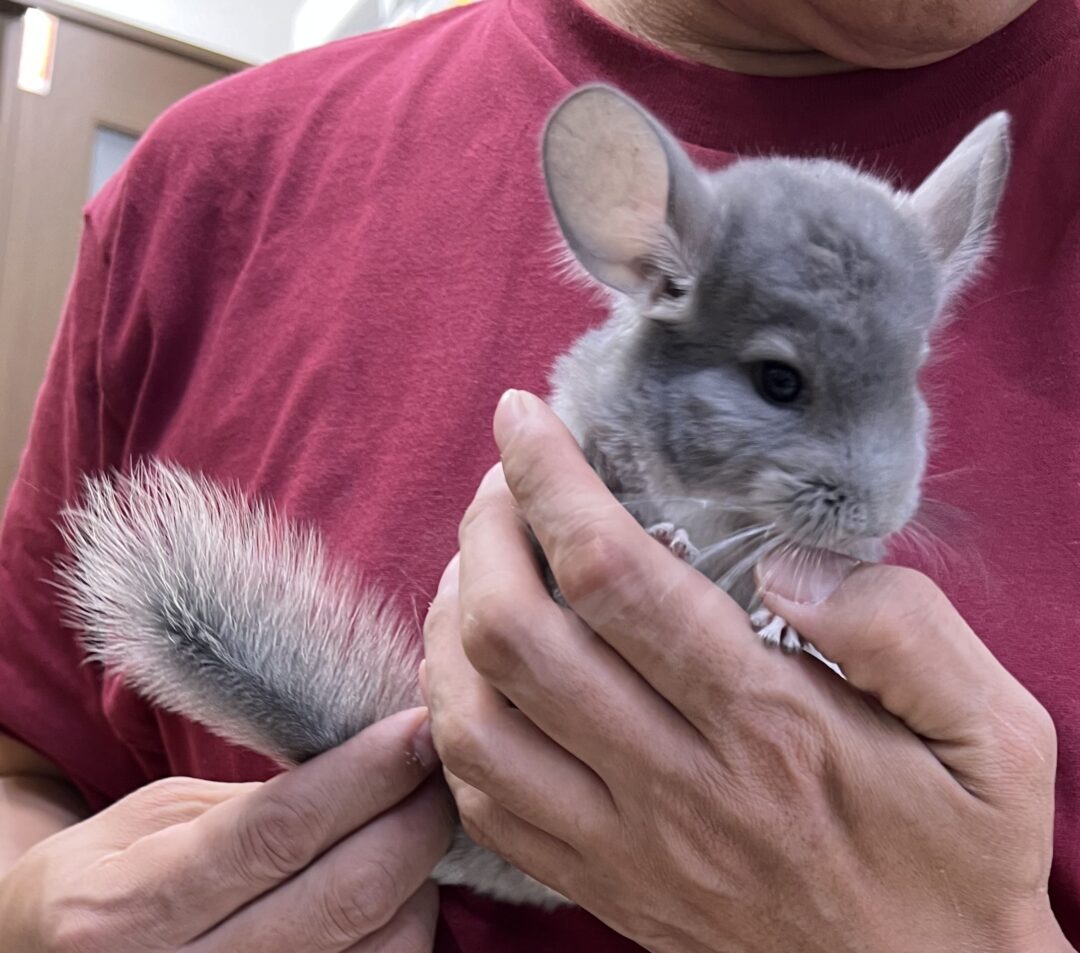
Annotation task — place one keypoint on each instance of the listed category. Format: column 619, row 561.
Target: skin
column 35, row 801
column 645, row 755
column 311, row 860
column 782, row 38
column 174, row 838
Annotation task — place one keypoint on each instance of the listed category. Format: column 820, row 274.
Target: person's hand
column 646, row 756
column 333, row 855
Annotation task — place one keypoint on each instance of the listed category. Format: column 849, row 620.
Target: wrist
column 1045, row 937
column 1056, row 942
column 1010, row 931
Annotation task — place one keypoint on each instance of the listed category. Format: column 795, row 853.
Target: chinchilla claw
column 675, row 539
column 775, row 631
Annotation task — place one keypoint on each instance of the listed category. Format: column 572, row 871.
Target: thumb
column 898, row 638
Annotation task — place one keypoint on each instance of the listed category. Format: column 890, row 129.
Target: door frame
column 128, row 32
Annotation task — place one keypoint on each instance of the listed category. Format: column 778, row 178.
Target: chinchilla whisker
column 804, row 556
column 758, row 598
column 928, row 545
column 945, row 474
column 733, row 540
column 745, row 565
column 699, row 502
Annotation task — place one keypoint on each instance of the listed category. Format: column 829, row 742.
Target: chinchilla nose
column 882, row 515
column 854, row 519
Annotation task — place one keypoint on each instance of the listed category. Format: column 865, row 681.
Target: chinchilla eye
column 670, row 290
column 778, row 383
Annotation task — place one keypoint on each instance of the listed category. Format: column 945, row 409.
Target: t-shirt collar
column 848, row 112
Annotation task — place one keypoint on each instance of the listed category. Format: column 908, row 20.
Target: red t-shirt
column 316, row 278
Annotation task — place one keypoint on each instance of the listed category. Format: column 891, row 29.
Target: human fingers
column 191, row 877
column 413, row 928
column 674, row 626
column 484, row 740
column 569, row 682
column 898, row 638
column 352, row 892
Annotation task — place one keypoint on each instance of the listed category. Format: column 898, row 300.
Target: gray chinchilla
column 754, row 389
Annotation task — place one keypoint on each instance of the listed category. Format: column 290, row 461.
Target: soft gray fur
column 221, row 610
column 200, row 598
column 804, row 262
column 225, row 612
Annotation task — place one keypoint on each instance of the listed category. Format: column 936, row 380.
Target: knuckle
column 464, row 747
column 79, row 932
column 782, row 742
column 917, row 603
column 115, row 903
column 175, row 800
column 364, row 903
column 276, row 838
column 905, row 602
column 799, row 746
column 593, row 566
column 477, row 817
column 491, row 630
column 171, row 787
column 166, row 792
column 1026, row 740
column 794, row 751
column 1043, row 730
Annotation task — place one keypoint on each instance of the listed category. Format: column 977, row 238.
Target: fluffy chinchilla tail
column 223, row 611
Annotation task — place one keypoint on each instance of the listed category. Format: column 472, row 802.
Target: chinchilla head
column 773, row 316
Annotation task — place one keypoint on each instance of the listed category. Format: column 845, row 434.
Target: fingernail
column 512, row 404
column 423, row 745
column 515, row 406
column 805, row 577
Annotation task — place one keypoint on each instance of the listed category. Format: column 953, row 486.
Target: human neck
column 711, row 32
column 707, row 32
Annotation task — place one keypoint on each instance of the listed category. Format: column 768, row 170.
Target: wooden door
column 55, row 150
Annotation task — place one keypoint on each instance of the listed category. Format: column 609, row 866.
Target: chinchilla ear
column 625, row 194
column 959, row 201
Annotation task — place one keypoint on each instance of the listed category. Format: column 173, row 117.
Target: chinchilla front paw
column 775, row 631
column 676, row 540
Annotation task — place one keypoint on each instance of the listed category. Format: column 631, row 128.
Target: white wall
column 319, row 21
column 251, row 30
